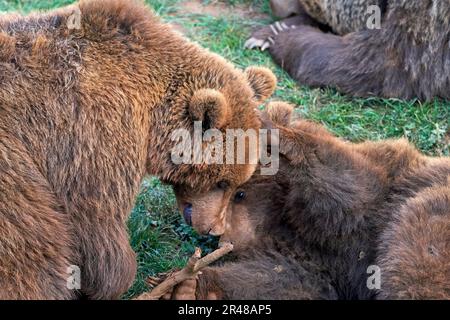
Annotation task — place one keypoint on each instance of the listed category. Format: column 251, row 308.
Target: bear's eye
column 223, row 185
column 239, row 196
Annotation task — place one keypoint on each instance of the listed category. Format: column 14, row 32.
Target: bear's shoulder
column 91, row 19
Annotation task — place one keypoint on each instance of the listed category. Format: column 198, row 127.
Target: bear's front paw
column 184, row 291
column 265, row 38
column 195, row 289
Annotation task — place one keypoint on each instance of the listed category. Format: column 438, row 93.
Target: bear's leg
column 333, row 191
column 108, row 260
column 356, row 64
column 415, row 249
column 36, row 243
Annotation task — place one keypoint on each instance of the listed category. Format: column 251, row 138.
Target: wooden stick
column 193, row 267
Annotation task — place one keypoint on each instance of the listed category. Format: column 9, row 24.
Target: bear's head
column 232, row 208
column 245, row 214
column 214, row 141
column 253, row 214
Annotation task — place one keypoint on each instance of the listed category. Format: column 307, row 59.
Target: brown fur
column 414, row 251
column 342, row 16
column 285, row 8
column 337, row 208
column 408, row 57
column 262, row 265
column 84, row 115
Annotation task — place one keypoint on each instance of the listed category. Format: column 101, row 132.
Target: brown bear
column 334, row 214
column 89, row 97
column 340, row 16
column 393, row 49
column 267, row 261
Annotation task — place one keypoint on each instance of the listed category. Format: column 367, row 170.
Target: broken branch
column 192, row 269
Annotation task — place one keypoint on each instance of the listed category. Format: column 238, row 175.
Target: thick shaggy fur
column 341, row 16
column 414, row 250
column 267, row 261
column 408, row 57
column 84, row 114
column 336, row 208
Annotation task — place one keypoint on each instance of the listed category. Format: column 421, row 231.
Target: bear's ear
column 210, row 107
column 262, row 81
column 280, row 113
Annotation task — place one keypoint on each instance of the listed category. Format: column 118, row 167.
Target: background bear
column 333, row 210
column 403, row 55
column 341, row 16
column 89, row 97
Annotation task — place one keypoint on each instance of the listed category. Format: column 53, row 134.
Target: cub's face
column 250, row 211
column 244, row 212
column 207, row 212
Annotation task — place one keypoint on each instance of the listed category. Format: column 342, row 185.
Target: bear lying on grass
column 89, row 97
column 333, row 210
column 364, row 48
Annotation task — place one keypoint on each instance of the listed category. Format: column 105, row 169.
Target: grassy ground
column 158, row 235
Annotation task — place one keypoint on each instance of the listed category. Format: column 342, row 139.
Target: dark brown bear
column 333, row 210
column 405, row 56
column 268, row 261
column 89, row 97
column 340, row 16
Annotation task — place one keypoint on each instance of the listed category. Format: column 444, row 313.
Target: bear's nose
column 187, row 214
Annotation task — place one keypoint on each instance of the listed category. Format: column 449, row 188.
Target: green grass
column 426, row 125
column 161, row 240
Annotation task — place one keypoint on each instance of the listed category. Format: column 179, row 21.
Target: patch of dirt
column 178, row 27
column 217, row 9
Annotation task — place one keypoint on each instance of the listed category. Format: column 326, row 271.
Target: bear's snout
column 187, row 213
